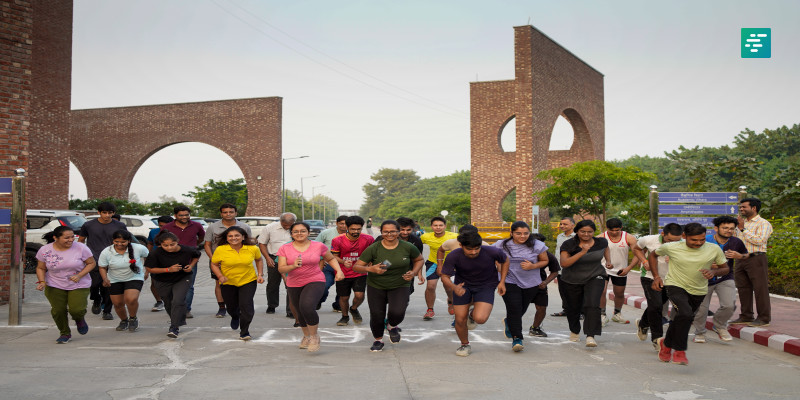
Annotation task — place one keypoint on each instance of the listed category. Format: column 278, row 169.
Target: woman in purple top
column 63, row 273
column 526, row 256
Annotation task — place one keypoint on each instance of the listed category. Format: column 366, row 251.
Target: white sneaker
column 619, row 319
column 590, row 342
column 471, row 324
column 699, row 338
column 464, row 350
column 641, row 333
column 724, row 335
column 574, row 337
column 604, row 319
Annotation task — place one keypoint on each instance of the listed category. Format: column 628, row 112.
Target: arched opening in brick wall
column 508, row 208
column 563, row 134
column 77, row 185
column 508, row 135
column 175, row 170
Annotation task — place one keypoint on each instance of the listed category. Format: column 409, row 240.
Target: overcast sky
column 371, row 84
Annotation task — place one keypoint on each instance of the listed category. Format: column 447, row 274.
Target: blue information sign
column 5, row 185
column 698, row 197
column 697, row 209
column 705, row 221
column 5, row 217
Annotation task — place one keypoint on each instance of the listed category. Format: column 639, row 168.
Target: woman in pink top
column 305, row 282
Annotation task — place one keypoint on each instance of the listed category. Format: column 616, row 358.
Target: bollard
column 17, row 247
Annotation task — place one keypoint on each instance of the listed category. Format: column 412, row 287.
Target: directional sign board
column 5, row 185
column 5, row 217
column 697, row 197
column 697, row 209
column 705, row 221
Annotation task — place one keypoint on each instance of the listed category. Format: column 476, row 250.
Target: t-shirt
column 685, row 264
column 186, row 236
column 309, row 271
column 650, row 243
column 412, row 238
column 350, row 250
column 327, row 236
column 589, row 266
column 98, row 235
column 119, row 265
column 518, row 253
column 552, row 265
column 734, row 244
column 215, row 230
column 435, row 242
column 237, row 266
column 151, row 238
column 401, row 259
column 480, row 271
column 160, row 258
column 63, row 264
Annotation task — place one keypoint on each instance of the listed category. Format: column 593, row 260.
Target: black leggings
column 305, row 300
column 584, row 298
column 239, row 302
column 517, row 300
column 378, row 299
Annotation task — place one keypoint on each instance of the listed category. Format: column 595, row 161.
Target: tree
column 589, row 188
column 212, row 194
column 387, row 181
column 319, row 203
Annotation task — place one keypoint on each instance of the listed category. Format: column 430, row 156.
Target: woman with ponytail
column 122, row 270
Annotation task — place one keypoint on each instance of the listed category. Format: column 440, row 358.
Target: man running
column 347, row 248
column 476, row 278
column 228, row 213
column 691, row 264
column 620, row 243
column 434, row 240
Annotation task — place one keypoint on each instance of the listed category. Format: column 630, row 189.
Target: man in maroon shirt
column 190, row 234
column 347, row 248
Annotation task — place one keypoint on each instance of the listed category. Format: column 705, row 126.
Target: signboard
column 5, row 217
column 5, row 185
column 697, row 209
column 705, row 221
column 698, row 197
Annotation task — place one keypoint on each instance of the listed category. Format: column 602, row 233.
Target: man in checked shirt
column 750, row 274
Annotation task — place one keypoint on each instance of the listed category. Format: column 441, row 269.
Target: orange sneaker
column 428, row 315
column 664, row 352
column 680, row 358
column 450, row 309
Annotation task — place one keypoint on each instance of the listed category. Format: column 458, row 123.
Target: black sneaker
column 289, row 314
column 133, row 324
column 83, row 327
column 376, row 346
column 234, row 323
column 173, row 333
column 96, row 308
column 356, row 316
column 270, row 310
column 394, row 335
column 343, row 321
column 107, row 316
column 336, row 307
column 537, row 331
column 123, row 325
column 158, row 306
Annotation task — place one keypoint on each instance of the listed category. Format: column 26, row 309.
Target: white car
column 138, row 225
column 257, row 223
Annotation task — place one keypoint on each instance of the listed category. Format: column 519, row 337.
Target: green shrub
column 784, row 256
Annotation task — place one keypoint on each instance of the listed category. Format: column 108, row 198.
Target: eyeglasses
column 303, row 231
column 390, row 232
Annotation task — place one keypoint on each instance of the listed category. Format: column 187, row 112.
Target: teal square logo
column 756, row 43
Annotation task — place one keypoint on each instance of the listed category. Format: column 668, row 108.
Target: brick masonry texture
column 549, row 82
column 16, row 32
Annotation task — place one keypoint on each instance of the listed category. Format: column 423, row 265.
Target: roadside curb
column 764, row 337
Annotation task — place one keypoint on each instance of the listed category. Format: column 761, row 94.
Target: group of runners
column 678, row 265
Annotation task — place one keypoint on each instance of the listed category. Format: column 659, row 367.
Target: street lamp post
column 283, row 181
column 313, row 213
column 302, row 197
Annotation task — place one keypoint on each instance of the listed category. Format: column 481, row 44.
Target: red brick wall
column 549, row 81
column 115, row 142
column 16, row 28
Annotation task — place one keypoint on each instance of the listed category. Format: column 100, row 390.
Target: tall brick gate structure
column 549, row 82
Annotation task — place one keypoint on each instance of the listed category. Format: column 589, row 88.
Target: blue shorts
column 476, row 294
column 430, row 272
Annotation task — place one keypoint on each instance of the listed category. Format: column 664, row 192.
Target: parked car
column 257, row 223
column 39, row 222
column 138, row 225
column 317, row 226
column 201, row 221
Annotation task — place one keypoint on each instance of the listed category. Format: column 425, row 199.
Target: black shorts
column 617, row 280
column 541, row 298
column 118, row 288
column 430, row 271
column 357, row 284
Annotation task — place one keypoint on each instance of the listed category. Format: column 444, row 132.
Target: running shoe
column 95, row 308
column 296, row 324
column 471, row 324
column 574, row 337
column 664, row 352
column 159, row 306
column 189, row 314
column 428, row 315
column 507, row 329
column 313, row 343
column 221, row 313
column 517, row 345
column 394, row 335
column 245, row 336
column 336, row 307
column 758, row 323
column 123, row 325
column 343, row 321
column 304, row 343
column 590, row 342
column 107, row 316
column 376, row 346
column 289, row 314
column 453, row 322
column 740, row 321
column 83, row 327
column 173, row 333
column 63, row 339
column 356, row 316
column 133, row 324
column 680, row 358
column 537, row 331
column 450, row 308
column 562, row 313
column 723, row 334
column 641, row 331
column 604, row 320
column 699, row 338
column 618, row 318
column 464, row 350
column 234, row 323
column 270, row 310
column 655, row 344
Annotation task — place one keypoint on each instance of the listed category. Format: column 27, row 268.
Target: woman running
column 122, row 271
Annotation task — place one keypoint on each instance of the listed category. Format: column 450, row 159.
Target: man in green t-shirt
column 692, row 263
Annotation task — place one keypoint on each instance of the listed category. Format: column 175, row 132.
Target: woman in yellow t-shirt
column 232, row 263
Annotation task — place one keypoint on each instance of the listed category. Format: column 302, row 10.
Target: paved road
column 209, row 362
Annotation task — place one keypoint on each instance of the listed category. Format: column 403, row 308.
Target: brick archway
column 550, row 81
column 119, row 140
